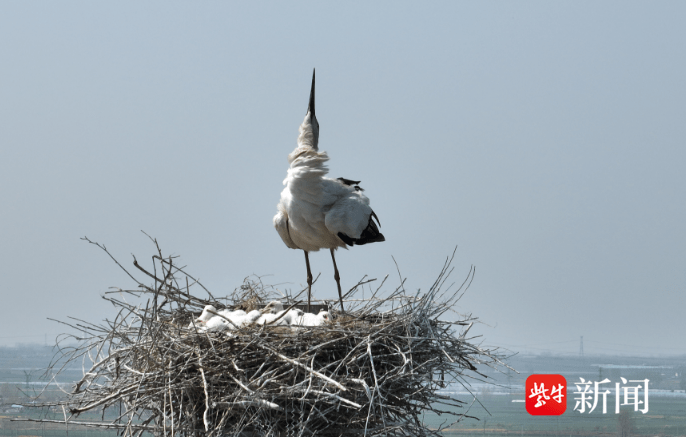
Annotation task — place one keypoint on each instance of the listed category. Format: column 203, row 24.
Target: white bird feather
column 309, row 319
column 266, row 318
column 238, row 319
column 207, row 314
column 273, row 307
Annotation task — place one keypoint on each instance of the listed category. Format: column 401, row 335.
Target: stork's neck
column 309, row 132
column 307, row 154
column 307, row 160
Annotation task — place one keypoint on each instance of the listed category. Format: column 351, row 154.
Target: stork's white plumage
column 217, row 323
column 237, row 319
column 273, row 307
column 207, row 314
column 232, row 314
column 292, row 316
column 309, row 319
column 316, row 212
column 266, row 319
column 249, row 318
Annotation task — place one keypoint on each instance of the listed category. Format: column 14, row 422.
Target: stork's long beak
column 313, row 118
column 310, row 107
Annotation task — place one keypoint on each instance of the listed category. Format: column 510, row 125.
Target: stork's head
column 207, row 314
column 273, row 307
column 309, row 129
column 325, row 316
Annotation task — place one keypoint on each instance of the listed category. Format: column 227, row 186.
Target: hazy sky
column 544, row 139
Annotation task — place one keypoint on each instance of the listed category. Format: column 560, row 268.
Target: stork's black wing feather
column 351, row 183
column 371, row 234
column 348, row 181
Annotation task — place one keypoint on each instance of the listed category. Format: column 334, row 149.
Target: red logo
column 546, row 395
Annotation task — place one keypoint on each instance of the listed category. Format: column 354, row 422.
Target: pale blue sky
column 545, row 139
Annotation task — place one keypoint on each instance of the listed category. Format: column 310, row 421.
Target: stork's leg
column 309, row 280
column 337, row 277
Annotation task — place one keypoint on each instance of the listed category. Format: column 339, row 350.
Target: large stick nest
column 374, row 370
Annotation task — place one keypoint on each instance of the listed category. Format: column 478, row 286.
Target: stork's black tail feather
column 371, row 234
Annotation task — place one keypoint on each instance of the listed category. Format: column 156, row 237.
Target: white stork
column 237, row 318
column 316, row 212
column 207, row 313
column 309, row 319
